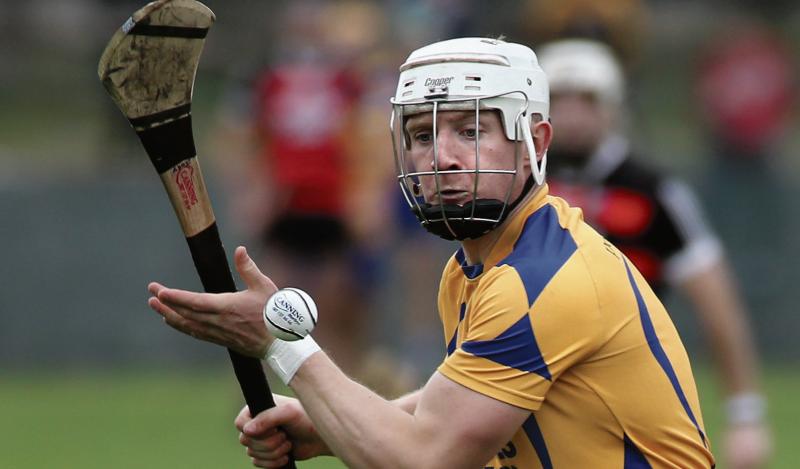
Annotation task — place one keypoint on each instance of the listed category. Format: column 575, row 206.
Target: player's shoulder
column 554, row 277
column 580, row 256
column 550, row 239
column 546, row 236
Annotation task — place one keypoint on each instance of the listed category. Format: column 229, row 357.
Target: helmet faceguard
column 472, row 75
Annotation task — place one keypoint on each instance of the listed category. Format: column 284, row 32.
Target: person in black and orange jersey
column 654, row 219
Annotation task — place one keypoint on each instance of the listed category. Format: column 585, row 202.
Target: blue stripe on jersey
column 634, row 459
column 514, row 348
column 658, row 352
column 451, row 346
column 531, row 428
column 470, row 271
column 542, row 248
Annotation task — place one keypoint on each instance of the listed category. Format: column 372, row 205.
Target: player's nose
column 449, row 152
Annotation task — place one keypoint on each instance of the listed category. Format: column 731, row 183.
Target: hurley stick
column 148, row 68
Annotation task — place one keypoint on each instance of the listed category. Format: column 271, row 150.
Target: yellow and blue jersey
column 557, row 321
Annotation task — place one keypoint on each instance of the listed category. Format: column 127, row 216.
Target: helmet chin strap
column 461, row 223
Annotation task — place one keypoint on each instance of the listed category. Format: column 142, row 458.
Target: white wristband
column 285, row 358
column 745, row 408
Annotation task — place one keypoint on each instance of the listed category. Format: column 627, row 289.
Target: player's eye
column 469, row 132
column 422, row 137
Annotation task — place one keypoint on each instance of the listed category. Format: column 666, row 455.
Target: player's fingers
column 199, row 302
column 200, row 325
column 207, row 318
column 244, row 415
column 214, row 328
column 270, row 455
column 269, row 419
column 269, row 443
column 280, row 462
column 171, row 317
column 180, row 321
column 154, row 288
column 156, row 305
column 242, row 418
column 250, row 273
column 277, row 453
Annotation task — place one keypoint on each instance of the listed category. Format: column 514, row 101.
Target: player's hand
column 748, row 446
column 269, row 446
column 231, row 319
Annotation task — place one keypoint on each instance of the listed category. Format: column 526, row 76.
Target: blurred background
column 90, row 377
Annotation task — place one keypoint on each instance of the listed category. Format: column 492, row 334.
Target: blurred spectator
column 654, row 219
column 745, row 90
column 301, row 199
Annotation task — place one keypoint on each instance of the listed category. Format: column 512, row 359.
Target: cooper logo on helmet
column 444, row 81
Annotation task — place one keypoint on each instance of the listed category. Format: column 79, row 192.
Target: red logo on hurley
column 183, row 177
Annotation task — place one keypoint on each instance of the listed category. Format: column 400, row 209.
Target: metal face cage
column 409, row 176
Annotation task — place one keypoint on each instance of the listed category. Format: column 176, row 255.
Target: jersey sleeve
column 513, row 351
column 698, row 246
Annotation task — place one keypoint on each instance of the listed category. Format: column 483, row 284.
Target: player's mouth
column 454, row 196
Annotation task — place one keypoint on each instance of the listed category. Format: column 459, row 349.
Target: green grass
column 123, row 420
column 184, row 420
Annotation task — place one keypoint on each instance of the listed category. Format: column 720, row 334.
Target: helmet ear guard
column 537, row 167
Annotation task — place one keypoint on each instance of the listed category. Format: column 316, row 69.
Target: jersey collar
column 511, row 230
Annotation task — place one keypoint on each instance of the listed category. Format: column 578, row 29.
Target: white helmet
column 469, row 74
column 583, row 65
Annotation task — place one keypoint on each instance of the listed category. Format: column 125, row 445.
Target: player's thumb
column 250, row 273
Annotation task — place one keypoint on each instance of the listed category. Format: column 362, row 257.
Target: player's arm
column 408, row 402
column 698, row 267
column 292, row 418
column 359, row 426
column 367, row 431
column 721, row 313
column 452, row 425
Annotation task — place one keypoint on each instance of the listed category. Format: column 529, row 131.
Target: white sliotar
column 290, row 314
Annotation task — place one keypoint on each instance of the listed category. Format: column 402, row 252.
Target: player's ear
column 542, row 133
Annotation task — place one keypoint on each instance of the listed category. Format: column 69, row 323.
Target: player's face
column 581, row 122
column 456, row 134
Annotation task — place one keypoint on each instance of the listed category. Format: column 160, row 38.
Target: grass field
column 184, row 420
